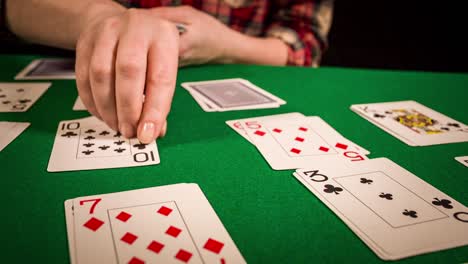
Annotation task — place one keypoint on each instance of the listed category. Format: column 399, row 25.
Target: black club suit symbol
column 23, row 101
column 89, row 138
column 379, row 116
column 88, row 145
column 119, row 150
column 117, row 134
column 104, row 133
column 69, row 134
column 364, row 180
column 332, row 189
column 87, row 152
column 140, row 146
column 410, row 213
column 2, row 95
column 442, row 202
column 118, row 143
column 6, row 102
column 20, row 90
column 89, row 131
column 453, row 125
column 387, row 196
column 104, row 147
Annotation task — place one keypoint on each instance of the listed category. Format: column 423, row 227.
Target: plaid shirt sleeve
column 303, row 26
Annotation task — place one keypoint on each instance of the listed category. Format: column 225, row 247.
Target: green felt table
column 271, row 217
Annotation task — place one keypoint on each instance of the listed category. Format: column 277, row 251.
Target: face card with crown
column 88, row 143
column 291, row 145
column 414, row 122
column 168, row 224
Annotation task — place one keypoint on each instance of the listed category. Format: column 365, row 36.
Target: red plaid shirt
column 302, row 24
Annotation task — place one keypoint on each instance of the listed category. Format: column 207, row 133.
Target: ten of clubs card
column 393, row 211
column 167, row 224
column 88, row 143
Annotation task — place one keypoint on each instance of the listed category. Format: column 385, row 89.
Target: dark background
column 405, row 35
column 408, row 35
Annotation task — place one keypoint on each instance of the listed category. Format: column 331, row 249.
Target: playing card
column 168, row 224
column 231, row 94
column 9, row 131
column 70, row 222
column 253, row 122
column 48, row 69
column 79, row 106
column 405, row 140
column 396, row 213
column 415, row 122
column 463, row 160
column 301, row 143
column 19, row 97
column 88, row 143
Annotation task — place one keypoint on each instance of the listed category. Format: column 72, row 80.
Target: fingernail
column 163, row 130
column 147, row 133
column 126, row 130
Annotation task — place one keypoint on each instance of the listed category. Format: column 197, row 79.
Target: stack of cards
column 9, row 131
column 19, row 97
column 231, row 94
column 48, row 69
column 393, row 211
column 291, row 141
column 413, row 123
column 167, row 224
column 88, row 143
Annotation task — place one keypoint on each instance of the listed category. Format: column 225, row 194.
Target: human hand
column 126, row 68
column 205, row 39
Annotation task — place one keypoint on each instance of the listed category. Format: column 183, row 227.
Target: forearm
column 55, row 22
column 253, row 50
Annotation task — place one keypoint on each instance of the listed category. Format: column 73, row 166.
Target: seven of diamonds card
column 167, row 224
column 88, row 143
column 19, row 97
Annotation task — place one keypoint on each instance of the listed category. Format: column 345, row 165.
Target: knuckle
column 130, row 67
column 100, row 72
column 110, row 23
column 162, row 77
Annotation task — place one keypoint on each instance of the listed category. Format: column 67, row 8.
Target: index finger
column 160, row 85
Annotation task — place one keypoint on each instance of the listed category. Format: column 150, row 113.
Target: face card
column 19, row 97
column 404, row 140
column 9, row 131
column 79, row 106
column 463, row 160
column 290, row 145
column 396, row 213
column 48, row 69
column 232, row 94
column 415, row 122
column 169, row 224
column 88, row 143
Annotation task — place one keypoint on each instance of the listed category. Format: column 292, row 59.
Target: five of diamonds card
column 167, row 224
